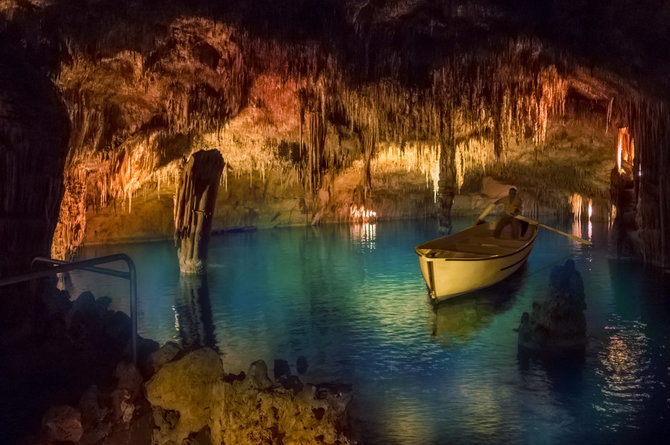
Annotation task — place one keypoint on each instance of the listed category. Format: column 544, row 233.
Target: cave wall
column 306, row 100
column 33, row 146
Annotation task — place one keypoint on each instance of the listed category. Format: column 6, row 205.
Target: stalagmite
column 194, row 206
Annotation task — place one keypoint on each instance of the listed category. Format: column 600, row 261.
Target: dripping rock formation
column 194, row 209
column 401, row 107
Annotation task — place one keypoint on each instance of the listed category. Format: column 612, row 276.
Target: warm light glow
column 625, row 149
column 576, row 202
column 362, row 215
column 364, row 234
column 410, row 157
column 590, row 208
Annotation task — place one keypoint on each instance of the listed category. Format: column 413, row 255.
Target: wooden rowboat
column 472, row 259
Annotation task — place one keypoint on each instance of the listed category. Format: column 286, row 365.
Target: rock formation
column 194, row 209
column 193, row 394
column 310, row 101
column 557, row 324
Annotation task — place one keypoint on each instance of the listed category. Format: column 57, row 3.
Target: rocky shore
column 69, row 380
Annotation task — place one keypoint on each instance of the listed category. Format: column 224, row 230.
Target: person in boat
column 512, row 204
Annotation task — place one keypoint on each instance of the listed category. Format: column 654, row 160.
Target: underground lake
column 350, row 300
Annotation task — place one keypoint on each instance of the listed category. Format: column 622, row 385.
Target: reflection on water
column 364, row 234
column 457, row 320
column 351, row 300
column 193, row 312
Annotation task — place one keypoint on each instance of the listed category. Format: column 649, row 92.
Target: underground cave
column 269, row 167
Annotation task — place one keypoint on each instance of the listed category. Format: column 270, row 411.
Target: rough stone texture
column 194, row 209
column 192, row 393
column 558, row 323
column 165, row 354
column 63, row 424
column 69, row 347
column 308, row 114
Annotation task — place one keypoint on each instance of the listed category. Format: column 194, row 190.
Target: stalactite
column 447, row 183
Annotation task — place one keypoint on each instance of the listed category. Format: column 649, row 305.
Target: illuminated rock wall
column 305, row 100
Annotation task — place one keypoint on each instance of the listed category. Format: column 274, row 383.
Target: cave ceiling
column 146, row 81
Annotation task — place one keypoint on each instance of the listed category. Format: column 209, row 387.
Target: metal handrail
column 89, row 266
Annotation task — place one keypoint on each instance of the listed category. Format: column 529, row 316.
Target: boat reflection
column 193, row 312
column 456, row 320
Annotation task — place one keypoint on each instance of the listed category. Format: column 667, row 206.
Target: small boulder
column 62, row 424
column 165, row 354
column 128, row 378
column 192, row 388
column 257, row 377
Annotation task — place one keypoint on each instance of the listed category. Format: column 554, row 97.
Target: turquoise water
column 352, row 301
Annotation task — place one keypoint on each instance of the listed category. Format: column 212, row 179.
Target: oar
column 485, row 212
column 572, row 237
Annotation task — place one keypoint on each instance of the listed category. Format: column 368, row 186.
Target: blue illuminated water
column 352, row 301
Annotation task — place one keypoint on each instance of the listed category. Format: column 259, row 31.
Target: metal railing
column 89, row 266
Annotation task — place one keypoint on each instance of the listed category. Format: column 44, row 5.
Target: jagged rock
column 129, row 378
column 191, row 394
column 257, row 376
column 62, row 424
column 193, row 388
column 91, row 409
column 117, row 327
column 163, row 355
column 291, row 382
column 122, row 402
column 84, row 309
column 558, row 323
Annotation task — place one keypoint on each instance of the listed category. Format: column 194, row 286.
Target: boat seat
column 484, row 249
column 490, row 240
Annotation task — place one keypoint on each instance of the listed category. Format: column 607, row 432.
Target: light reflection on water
column 351, row 300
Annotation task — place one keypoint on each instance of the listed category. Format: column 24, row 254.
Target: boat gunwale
column 484, row 258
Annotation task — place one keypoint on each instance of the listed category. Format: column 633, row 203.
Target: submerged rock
column 281, row 368
column 558, row 323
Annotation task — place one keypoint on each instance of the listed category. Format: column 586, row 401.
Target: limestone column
column 447, row 184
column 194, row 207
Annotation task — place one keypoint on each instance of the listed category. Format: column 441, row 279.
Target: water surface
column 352, row 301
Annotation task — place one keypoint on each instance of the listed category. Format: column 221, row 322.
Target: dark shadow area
column 54, row 350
